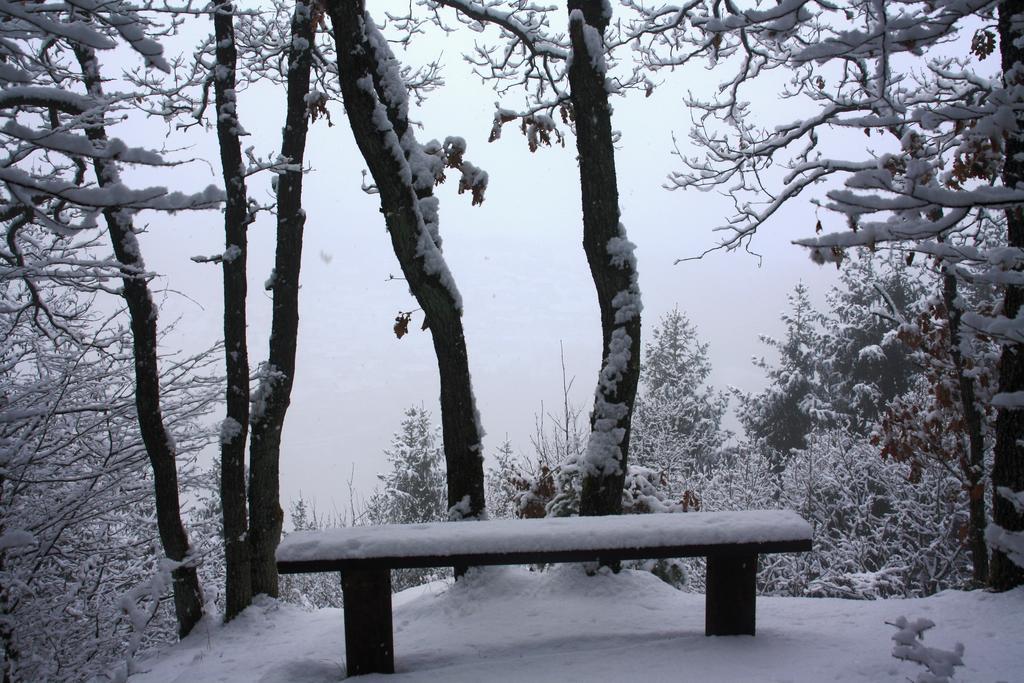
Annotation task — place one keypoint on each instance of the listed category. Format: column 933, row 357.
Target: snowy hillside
column 508, row 624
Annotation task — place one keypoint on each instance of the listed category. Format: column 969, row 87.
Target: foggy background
column 517, row 260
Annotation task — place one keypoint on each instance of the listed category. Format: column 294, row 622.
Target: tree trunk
column 274, row 392
column 612, row 266
column 9, row 653
column 973, row 465
column 1008, row 465
column 188, row 597
column 360, row 61
column 238, row 589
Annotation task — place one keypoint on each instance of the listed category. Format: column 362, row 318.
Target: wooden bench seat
column 366, row 555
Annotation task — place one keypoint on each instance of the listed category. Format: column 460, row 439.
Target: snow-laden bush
column 877, row 533
column 940, row 664
column 83, row 577
column 318, row 589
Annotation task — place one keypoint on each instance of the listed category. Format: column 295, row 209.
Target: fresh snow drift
column 511, row 624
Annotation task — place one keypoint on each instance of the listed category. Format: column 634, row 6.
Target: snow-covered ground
column 510, row 624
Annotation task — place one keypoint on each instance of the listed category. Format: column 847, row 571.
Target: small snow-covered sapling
column 910, row 646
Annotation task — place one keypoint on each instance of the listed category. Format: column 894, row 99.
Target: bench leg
column 731, row 593
column 369, row 635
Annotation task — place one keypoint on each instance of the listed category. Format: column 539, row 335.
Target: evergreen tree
column 505, row 483
column 678, row 424
column 414, row 490
column 865, row 359
column 782, row 415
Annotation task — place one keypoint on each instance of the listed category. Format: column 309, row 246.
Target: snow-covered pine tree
column 780, row 417
column 505, row 483
column 678, row 420
column 414, row 489
column 867, row 363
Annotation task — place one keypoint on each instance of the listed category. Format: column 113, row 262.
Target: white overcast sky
column 517, row 259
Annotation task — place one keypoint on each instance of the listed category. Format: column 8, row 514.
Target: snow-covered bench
column 366, row 555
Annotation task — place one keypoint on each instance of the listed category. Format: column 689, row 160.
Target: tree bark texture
column 614, row 272
column 188, row 597
column 973, row 465
column 238, row 588
column 1008, row 464
column 274, row 392
column 9, row 653
column 371, row 109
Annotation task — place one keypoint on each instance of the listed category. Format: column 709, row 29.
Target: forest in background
column 860, row 428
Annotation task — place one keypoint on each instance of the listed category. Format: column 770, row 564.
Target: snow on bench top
column 548, row 535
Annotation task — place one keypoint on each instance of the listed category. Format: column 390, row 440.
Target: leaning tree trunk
column 612, row 265
column 973, row 466
column 379, row 123
column 274, row 392
column 1008, row 464
column 188, row 597
column 238, row 588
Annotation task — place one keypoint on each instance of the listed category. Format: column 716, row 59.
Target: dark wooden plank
column 369, row 635
column 536, row 556
column 730, row 595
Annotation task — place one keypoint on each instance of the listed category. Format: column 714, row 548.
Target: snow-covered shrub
column 555, row 492
column 548, row 485
column 83, row 577
column 909, row 639
column 877, row 533
column 315, row 590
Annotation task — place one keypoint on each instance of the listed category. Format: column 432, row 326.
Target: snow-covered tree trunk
column 274, row 391
column 974, row 467
column 188, row 597
column 612, row 264
column 238, row 589
column 374, row 100
column 1008, row 465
